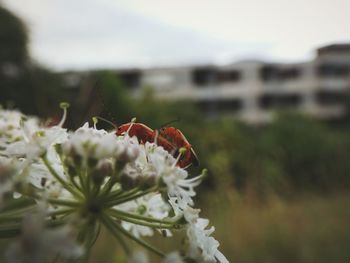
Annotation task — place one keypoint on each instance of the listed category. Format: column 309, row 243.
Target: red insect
column 170, row 138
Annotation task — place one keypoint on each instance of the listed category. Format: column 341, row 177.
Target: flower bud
column 71, row 168
column 128, row 182
column 141, row 209
column 127, row 153
column 147, row 182
column 58, row 148
column 77, row 159
column 102, row 170
column 91, row 162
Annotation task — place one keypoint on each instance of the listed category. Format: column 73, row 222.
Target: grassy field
column 309, row 228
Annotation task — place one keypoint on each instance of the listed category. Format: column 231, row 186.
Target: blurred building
column 254, row 90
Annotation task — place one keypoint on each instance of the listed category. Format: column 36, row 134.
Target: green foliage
column 294, row 153
column 35, row 91
column 13, row 38
column 312, row 155
column 116, row 101
column 157, row 112
column 23, row 85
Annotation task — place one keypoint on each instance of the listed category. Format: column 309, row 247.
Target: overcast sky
column 80, row 34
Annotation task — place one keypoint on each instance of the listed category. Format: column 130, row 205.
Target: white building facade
column 254, row 90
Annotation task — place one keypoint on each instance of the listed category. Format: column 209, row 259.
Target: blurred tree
column 292, row 154
column 13, row 40
column 118, row 105
column 311, row 154
column 24, row 85
column 13, row 54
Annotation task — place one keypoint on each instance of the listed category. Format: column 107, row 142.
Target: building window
column 333, row 70
column 331, row 97
column 204, row 76
column 229, row 76
column 268, row 73
column 274, row 73
column 269, row 101
column 207, row 76
column 217, row 105
column 131, row 78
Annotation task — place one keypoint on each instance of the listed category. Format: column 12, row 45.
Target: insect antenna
column 98, row 96
column 92, row 106
column 107, row 121
column 170, row 122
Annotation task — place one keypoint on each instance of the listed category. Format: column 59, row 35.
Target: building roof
column 334, row 48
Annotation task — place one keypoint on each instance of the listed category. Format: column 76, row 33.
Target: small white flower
column 151, row 205
column 13, row 127
column 138, row 230
column 154, row 161
column 10, row 126
column 84, row 141
column 37, row 142
column 173, row 257
column 22, row 136
column 201, row 243
column 8, row 172
column 38, row 175
column 180, row 187
column 38, row 243
column 199, row 238
column 89, row 142
column 139, row 257
column 127, row 148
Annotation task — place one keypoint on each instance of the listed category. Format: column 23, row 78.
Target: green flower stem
column 109, row 185
column 19, row 211
column 71, row 177
column 137, row 240
column 95, row 190
column 88, row 182
column 83, row 232
column 58, row 178
column 112, row 180
column 97, row 231
column 10, row 231
column 87, row 236
column 108, row 223
column 114, row 194
column 120, row 194
column 16, row 204
column 82, row 179
column 6, row 219
column 116, row 191
column 56, row 222
column 121, row 200
column 76, row 185
column 62, row 212
column 145, row 223
column 14, row 230
column 64, row 202
column 117, row 213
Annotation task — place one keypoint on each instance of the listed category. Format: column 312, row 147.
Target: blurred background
column 260, row 89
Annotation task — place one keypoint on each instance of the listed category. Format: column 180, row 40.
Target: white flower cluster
column 74, row 181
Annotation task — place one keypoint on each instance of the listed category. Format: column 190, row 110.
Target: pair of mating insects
column 170, row 138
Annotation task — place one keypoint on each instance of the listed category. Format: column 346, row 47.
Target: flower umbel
column 59, row 187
